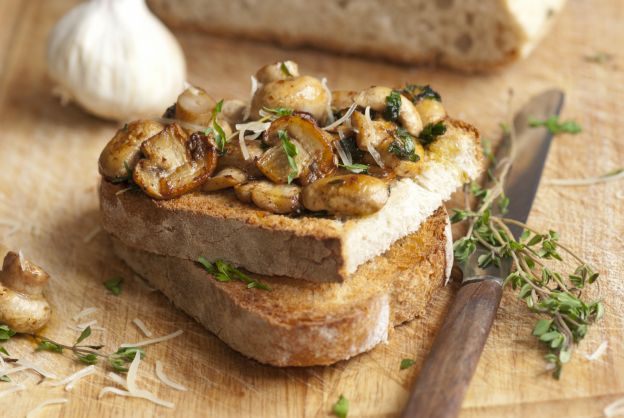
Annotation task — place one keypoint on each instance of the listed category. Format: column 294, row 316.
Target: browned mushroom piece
column 343, row 99
column 276, row 198
column 349, row 195
column 195, row 107
column 430, row 111
column 225, row 179
column 23, row 306
column 233, row 157
column 400, row 163
column 281, row 70
column 370, row 133
column 316, row 156
column 234, row 111
column 122, row 152
column 175, row 162
column 376, row 98
column 303, row 94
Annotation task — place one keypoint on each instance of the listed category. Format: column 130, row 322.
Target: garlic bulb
column 116, row 59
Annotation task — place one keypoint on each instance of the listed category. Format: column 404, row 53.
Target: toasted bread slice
column 300, row 323
column 218, row 226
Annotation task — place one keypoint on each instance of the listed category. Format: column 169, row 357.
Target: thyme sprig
column 548, row 275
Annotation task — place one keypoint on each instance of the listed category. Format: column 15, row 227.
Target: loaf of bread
column 466, row 35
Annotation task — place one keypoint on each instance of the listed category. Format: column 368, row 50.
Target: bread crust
column 299, row 323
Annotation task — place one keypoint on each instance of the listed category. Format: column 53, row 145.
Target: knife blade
column 454, row 355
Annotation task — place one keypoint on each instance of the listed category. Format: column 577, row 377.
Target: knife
column 448, row 369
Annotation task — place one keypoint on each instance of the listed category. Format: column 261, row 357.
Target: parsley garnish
column 219, row 134
column 224, row 272
column 406, row 363
column 49, row 346
column 279, row 111
column 118, row 360
column 6, row 333
column 356, row 168
column 555, row 127
column 393, row 106
column 291, row 152
column 114, row 285
column 285, row 70
column 341, row 407
column 431, row 132
column 403, row 146
column 598, row 57
column 416, row 93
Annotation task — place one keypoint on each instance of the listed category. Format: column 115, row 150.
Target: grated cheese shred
column 84, row 312
column 342, row 120
column 72, row 379
column 141, row 326
column 330, row 114
column 602, row 348
column 160, row 373
column 153, row 340
column 12, row 389
column 35, row 412
column 614, row 409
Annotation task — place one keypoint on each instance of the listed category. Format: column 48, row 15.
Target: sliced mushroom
column 317, row 156
column 349, row 195
column 275, row 166
column 402, row 165
column 224, row 179
column 175, row 163
column 303, row 94
column 124, row 150
column 276, row 198
column 342, row 99
column 243, row 191
column 369, row 132
column 282, row 70
column 375, row 98
column 23, row 306
column 430, row 111
column 234, row 111
column 233, row 157
column 195, row 107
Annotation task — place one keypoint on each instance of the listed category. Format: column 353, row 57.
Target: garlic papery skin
column 116, row 59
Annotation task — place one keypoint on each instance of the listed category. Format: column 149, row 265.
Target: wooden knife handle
column 446, row 373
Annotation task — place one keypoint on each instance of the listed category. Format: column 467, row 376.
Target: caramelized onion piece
column 124, row 150
column 349, row 195
column 175, row 163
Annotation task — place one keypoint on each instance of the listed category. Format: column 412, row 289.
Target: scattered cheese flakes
column 117, row 379
column 256, row 127
column 84, row 312
column 131, row 386
column 614, row 409
column 160, row 373
column 72, row 379
column 330, row 114
column 36, row 368
column 42, row 405
column 153, row 340
column 375, row 154
column 91, row 234
column 141, row 325
column 588, row 181
column 81, row 327
column 343, row 119
column 12, row 389
column 602, row 348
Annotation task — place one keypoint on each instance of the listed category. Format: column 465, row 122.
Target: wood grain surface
column 48, row 208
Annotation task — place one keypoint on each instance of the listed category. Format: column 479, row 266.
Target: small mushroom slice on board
column 23, row 307
column 175, row 162
column 122, row 152
column 348, row 195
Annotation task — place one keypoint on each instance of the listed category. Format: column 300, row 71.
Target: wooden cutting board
column 49, row 209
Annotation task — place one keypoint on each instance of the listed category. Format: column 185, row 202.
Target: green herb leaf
column 356, row 168
column 599, row 57
column 393, row 106
column 219, row 135
column 224, row 272
column 541, row 327
column 4, row 351
column 114, row 285
column 46, row 345
column 5, row 378
column 279, row 111
column 341, row 407
column 285, row 70
column 431, row 132
column 87, row 358
column 291, row 152
column 403, row 146
column 406, row 363
column 83, row 335
column 555, row 127
column 6, row 333
column 416, row 93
